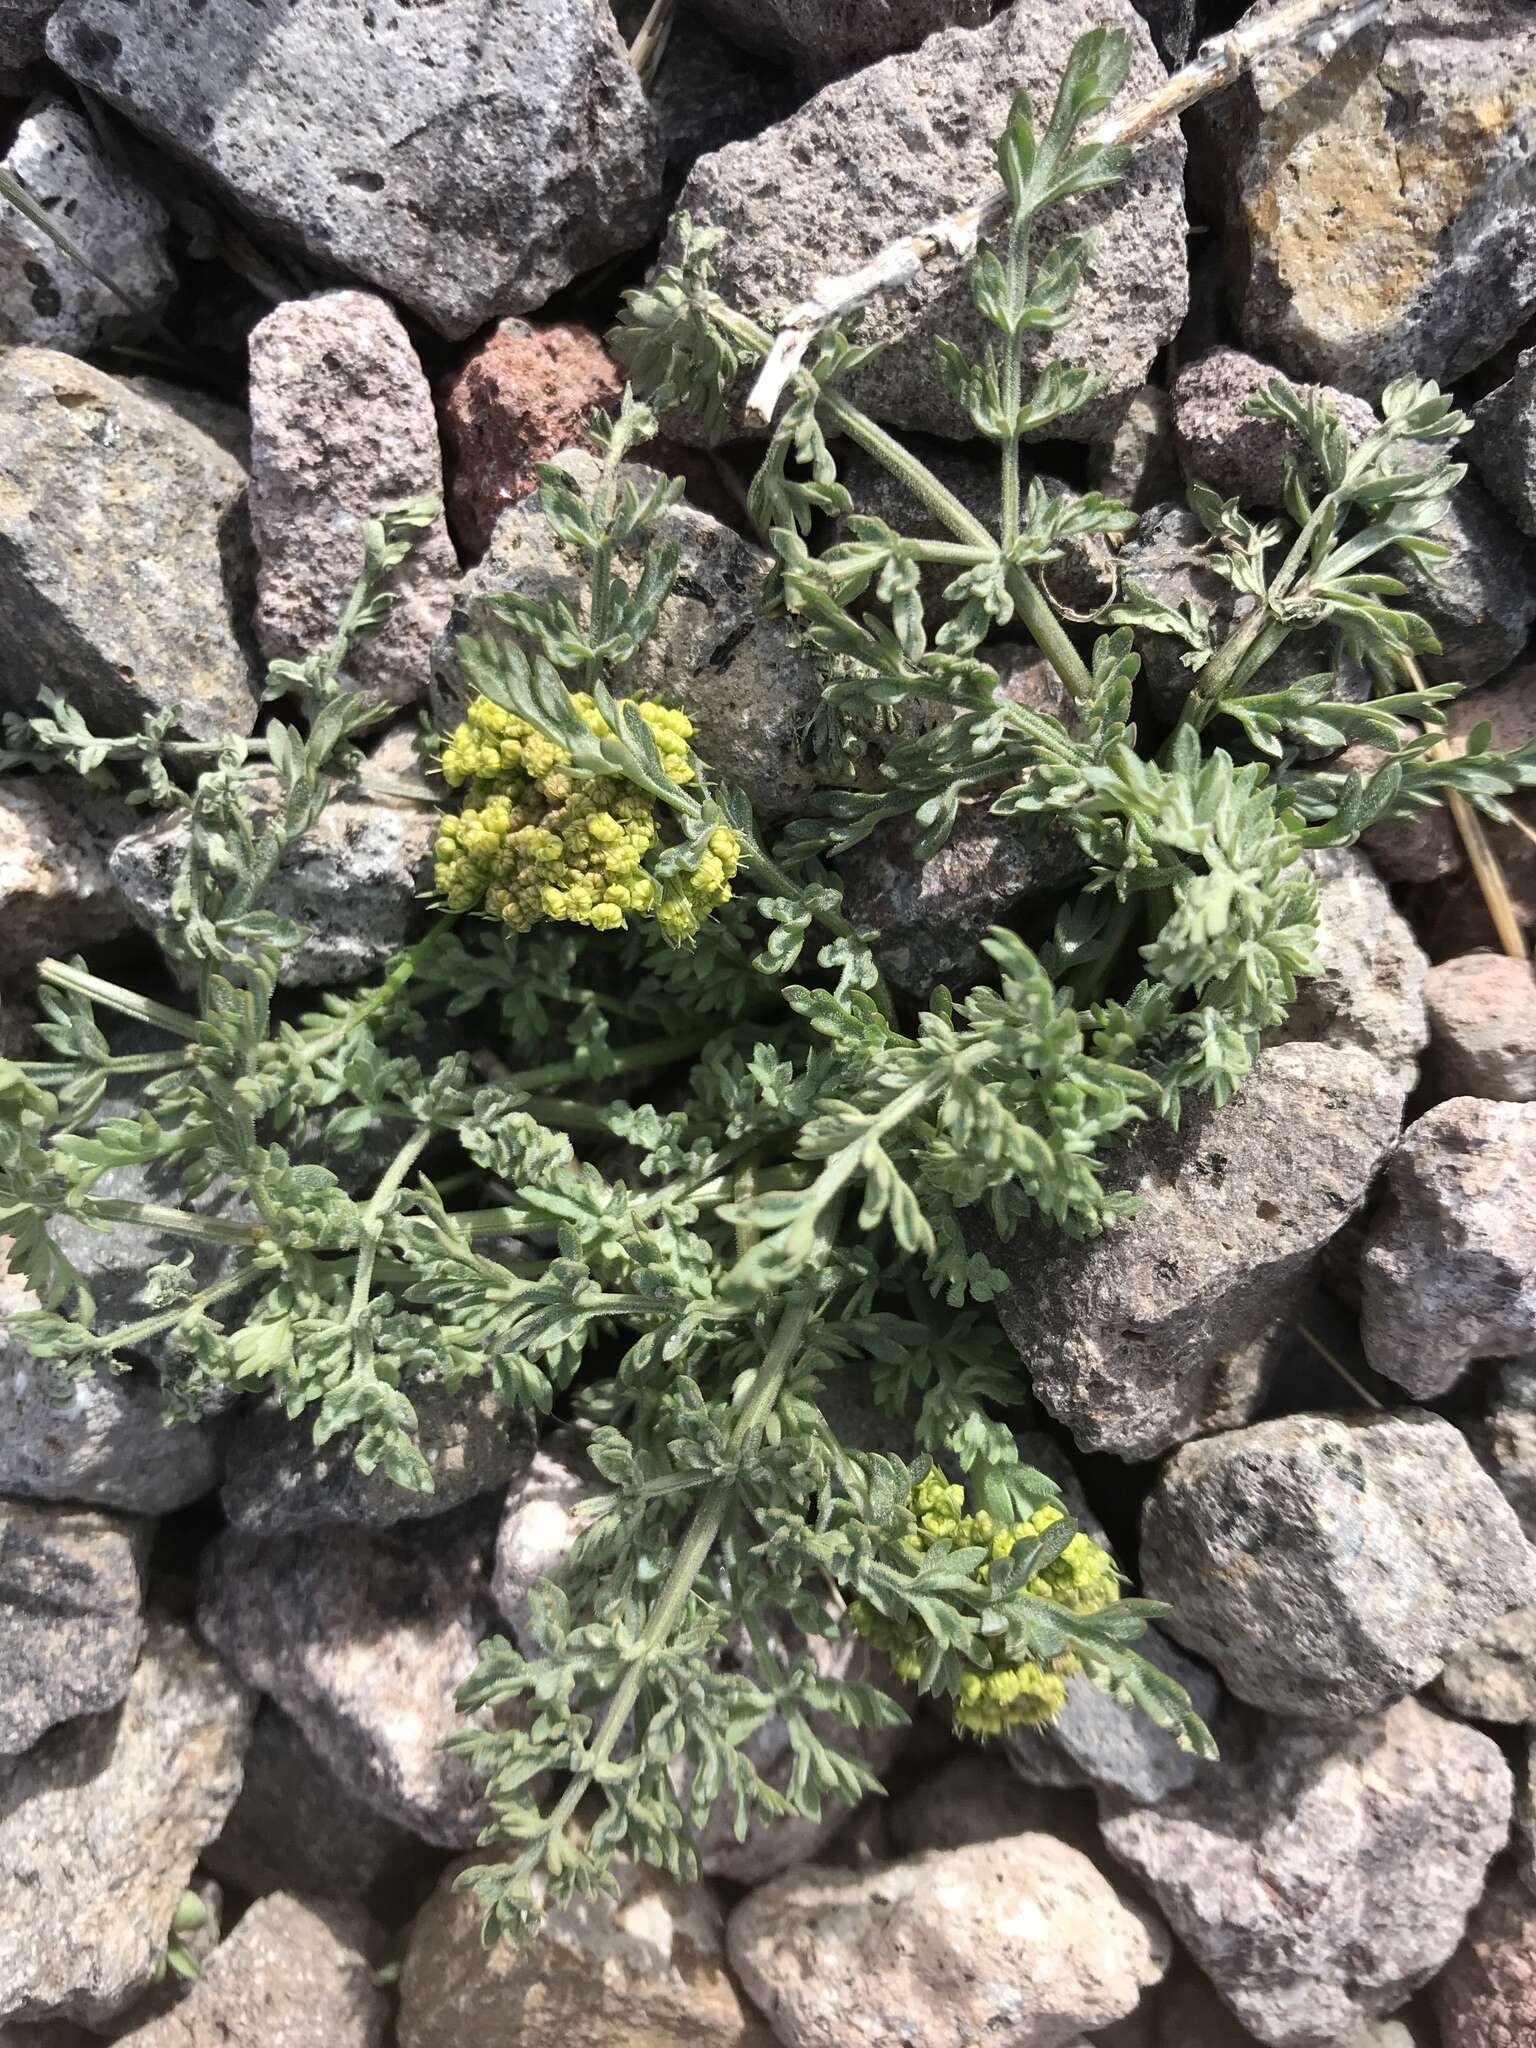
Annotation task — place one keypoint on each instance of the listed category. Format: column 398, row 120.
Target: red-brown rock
column 523, row 395
column 1487, row 1997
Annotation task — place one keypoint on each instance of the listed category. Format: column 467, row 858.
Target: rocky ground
column 370, row 252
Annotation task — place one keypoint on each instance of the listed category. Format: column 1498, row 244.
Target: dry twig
column 1220, row 62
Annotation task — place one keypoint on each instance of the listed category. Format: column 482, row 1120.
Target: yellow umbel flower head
column 535, row 841
column 1083, row 1578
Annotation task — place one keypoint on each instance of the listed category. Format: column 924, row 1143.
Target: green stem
column 692, row 1555
column 371, row 1227
column 392, row 984
column 635, row 1059
column 76, row 981
column 173, row 1222
column 1017, row 284
column 151, row 1326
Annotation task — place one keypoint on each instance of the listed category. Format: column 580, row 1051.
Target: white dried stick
column 1219, row 62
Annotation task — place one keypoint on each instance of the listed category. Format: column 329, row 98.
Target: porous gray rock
column 104, row 1443
column 1235, row 453
column 295, row 1973
column 297, row 1827
column 354, row 881
column 56, row 889
column 537, row 1532
column 46, row 297
column 821, row 40
column 363, row 1638
column 1134, row 458
column 1328, row 1564
column 1482, row 1021
column 976, row 1797
column 1096, row 1741
column 1019, row 1939
column 1334, row 272
column 100, row 1826
column 910, row 138
column 22, row 26
column 125, row 565
column 1506, row 1443
column 1371, row 990
column 1481, row 600
column 1319, row 1882
column 468, row 163
column 277, row 1478
column 1449, row 1270
column 1493, row 1677
column 1502, row 443
column 1487, row 1996
column 1132, row 1338
column 342, row 429
column 647, row 1966
column 750, row 692
column 710, row 91
column 71, row 1615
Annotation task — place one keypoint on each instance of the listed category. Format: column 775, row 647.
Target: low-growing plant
column 714, row 1169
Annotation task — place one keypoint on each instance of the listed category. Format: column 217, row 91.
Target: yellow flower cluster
column 535, row 841
column 1082, row 1579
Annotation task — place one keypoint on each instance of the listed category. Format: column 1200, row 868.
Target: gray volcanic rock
column 56, row 889
column 1487, row 1996
column 467, row 161
column 1370, row 991
column 297, row 1827
column 1493, row 1677
column 1223, row 445
column 1449, row 1272
column 1129, row 1338
column 911, row 138
column 277, row 1478
column 1019, row 1939
column 1336, row 273
column 364, row 1636
column 1482, row 1019
column 1507, row 1441
column 125, row 565
column 71, row 1615
column 1323, row 1881
column 103, row 1444
column 1327, row 1565
column 821, row 39
column 295, row 1973
column 1502, row 443
column 342, row 429
column 46, row 297
column 100, row 1826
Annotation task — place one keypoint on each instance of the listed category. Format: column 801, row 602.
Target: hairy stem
column 126, row 1001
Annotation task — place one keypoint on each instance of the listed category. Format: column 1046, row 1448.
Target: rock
column 1423, row 848
column 1482, row 1021
column 1493, row 1677
column 295, row 1973
column 56, row 891
column 297, row 1827
column 1019, row 1940
column 1135, row 458
column 537, row 1532
column 749, row 690
column 354, row 880
column 932, row 915
column 1326, row 1565
column 277, row 1478
column 22, row 23
column 46, row 297
column 516, row 149
column 1130, row 1338
column 1223, row 446
column 100, row 1826
column 1456, row 919
column 823, row 41
column 1371, row 990
column 1320, row 1882
column 1167, row 557
column 71, row 1619
column 1507, row 1445
column 710, row 91
column 1174, row 25
column 342, row 429
column 363, row 1639
column 1190, row 2015
column 1487, row 1997
column 1331, row 271
column 1106, row 1745
column 1481, row 602
column 124, row 555
column 1449, row 1272
column 647, row 1967
column 908, row 139
column 103, row 1444
column 977, row 1798
column 1502, row 443
column 522, row 395
column 1525, row 1813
